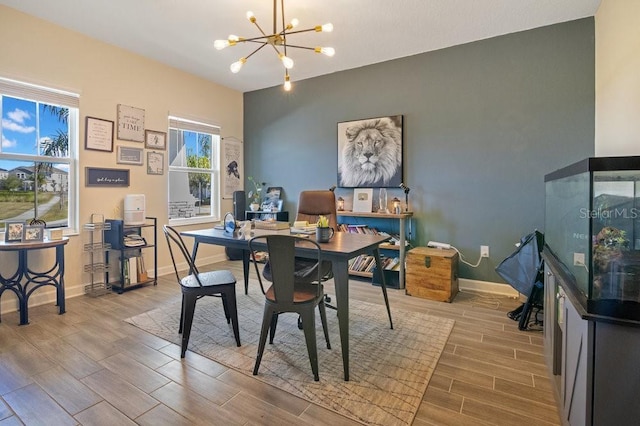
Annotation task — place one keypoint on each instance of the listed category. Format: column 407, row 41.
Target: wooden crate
column 432, row 273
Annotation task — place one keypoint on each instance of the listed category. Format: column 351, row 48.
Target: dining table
column 338, row 250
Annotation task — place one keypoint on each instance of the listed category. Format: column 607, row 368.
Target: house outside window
column 194, row 171
column 38, row 154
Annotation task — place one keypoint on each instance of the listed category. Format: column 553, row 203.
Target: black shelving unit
column 116, row 238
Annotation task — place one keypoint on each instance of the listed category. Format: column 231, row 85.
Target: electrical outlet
column 578, row 259
column 484, row 251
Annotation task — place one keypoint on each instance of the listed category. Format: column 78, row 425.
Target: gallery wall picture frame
column 370, row 152
column 13, row 231
column 97, row 176
column 231, row 159
column 98, row 134
column 129, row 155
column 155, row 163
column 130, row 123
column 33, row 233
column 155, row 140
column 363, row 200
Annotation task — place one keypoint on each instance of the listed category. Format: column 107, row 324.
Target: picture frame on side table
column 155, row 140
column 384, row 169
column 129, row 155
column 33, row 233
column 98, row 134
column 13, row 231
column 363, row 200
column 155, row 163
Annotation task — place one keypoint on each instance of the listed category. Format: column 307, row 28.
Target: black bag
column 523, row 270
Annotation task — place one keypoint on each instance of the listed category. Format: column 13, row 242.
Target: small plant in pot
column 323, row 231
column 254, row 194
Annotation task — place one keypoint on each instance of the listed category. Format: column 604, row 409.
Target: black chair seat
column 208, row 279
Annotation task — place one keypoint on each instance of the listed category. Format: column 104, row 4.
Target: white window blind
column 33, row 92
column 194, row 126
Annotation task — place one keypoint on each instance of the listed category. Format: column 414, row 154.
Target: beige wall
column 618, row 78
column 36, row 51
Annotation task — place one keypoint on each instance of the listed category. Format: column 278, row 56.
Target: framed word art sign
column 130, row 123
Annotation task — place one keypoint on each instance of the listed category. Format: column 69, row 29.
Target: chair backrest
column 282, row 260
column 175, row 241
column 312, row 204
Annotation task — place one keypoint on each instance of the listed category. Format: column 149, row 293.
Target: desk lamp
column 406, row 195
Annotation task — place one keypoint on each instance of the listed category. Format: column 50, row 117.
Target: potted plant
column 254, row 194
column 323, row 231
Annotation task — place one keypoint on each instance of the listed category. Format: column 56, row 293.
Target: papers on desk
column 305, row 230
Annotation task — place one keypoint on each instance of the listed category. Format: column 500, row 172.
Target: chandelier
column 277, row 40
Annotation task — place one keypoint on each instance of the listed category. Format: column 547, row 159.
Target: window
column 38, row 154
column 194, row 172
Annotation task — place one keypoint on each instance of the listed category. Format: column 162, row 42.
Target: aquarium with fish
column 592, row 232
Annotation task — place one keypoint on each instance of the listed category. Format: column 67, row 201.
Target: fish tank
column 592, row 232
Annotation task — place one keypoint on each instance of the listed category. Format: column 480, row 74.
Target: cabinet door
column 552, row 331
column 574, row 367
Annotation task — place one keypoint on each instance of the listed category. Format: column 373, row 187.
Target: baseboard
column 488, row 287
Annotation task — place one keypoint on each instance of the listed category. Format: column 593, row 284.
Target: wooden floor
column 89, row 367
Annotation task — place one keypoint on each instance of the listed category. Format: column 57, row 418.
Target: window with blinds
column 194, row 172
column 38, row 154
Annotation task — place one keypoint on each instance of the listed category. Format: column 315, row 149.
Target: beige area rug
column 390, row 369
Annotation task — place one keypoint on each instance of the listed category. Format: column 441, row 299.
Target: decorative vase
column 254, row 207
column 382, row 199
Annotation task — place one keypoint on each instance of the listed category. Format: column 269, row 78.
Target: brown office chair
column 197, row 284
column 287, row 295
column 312, row 204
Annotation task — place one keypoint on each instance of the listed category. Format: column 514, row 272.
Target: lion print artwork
column 370, row 152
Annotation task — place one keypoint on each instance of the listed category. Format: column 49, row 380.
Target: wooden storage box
column 432, row 273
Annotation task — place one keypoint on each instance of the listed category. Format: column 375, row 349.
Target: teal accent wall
column 483, row 123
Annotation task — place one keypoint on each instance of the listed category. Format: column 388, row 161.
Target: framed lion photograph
column 370, row 152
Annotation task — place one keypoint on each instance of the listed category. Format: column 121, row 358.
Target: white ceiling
column 180, row 33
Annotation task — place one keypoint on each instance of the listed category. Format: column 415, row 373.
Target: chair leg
column 232, row 310
column 189, row 307
column 267, row 317
column 308, row 323
column 225, row 306
column 323, row 318
column 181, row 316
column 272, row 327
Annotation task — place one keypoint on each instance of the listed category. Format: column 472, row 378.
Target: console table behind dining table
column 342, row 247
column 25, row 280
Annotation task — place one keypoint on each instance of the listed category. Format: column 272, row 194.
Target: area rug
column 389, row 369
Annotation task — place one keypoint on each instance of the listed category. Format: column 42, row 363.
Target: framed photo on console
column 33, row 233
column 370, row 152
column 13, row 231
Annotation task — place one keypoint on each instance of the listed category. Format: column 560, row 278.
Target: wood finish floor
column 89, row 367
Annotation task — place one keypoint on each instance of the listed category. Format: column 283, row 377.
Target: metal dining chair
column 287, row 295
column 196, row 284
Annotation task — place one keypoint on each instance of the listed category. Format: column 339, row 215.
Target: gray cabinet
column 593, row 359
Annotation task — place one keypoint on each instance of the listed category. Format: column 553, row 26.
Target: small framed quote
column 128, row 155
column 155, row 140
column 363, row 200
column 130, row 123
column 98, row 134
column 155, row 163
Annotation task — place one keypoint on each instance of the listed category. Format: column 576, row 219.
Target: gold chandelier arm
column 260, row 47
